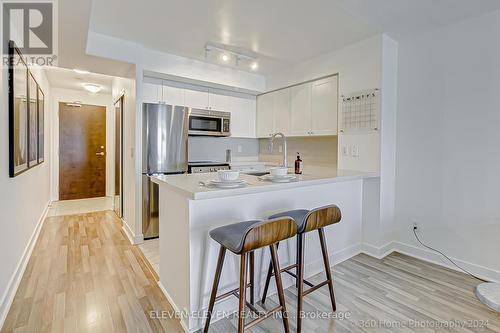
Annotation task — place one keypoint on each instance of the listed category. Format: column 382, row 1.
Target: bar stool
column 243, row 239
column 307, row 221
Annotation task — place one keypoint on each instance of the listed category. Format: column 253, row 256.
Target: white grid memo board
column 360, row 112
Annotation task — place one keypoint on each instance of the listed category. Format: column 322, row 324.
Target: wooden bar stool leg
column 327, row 267
column 297, row 256
column 252, row 277
column 300, row 279
column 213, row 295
column 279, row 285
column 268, row 278
column 241, row 308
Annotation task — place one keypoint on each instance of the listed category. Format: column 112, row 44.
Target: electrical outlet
column 345, row 150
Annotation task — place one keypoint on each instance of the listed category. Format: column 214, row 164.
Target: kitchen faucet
column 271, row 146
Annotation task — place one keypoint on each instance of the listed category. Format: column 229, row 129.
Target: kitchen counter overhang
column 191, row 185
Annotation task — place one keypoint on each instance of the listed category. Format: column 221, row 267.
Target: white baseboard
column 435, row 258
column 15, row 280
column 378, row 252
column 174, row 306
column 132, row 237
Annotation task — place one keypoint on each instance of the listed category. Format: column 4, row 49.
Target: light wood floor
column 378, row 295
column 84, row 276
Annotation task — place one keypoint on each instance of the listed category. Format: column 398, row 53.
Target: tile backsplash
column 317, row 151
column 202, row 148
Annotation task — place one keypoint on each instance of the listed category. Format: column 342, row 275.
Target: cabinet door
column 243, row 114
column 324, row 106
column 218, row 102
column 151, row 93
column 265, row 117
column 300, row 110
column 173, row 95
column 281, row 111
column 197, row 99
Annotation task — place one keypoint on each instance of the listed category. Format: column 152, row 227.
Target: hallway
column 84, row 275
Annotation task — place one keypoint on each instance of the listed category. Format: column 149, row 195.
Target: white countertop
column 189, row 184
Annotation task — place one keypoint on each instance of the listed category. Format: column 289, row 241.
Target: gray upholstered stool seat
column 232, row 236
column 299, row 216
column 243, row 239
column 307, row 221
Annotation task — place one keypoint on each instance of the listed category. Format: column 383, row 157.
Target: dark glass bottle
column 298, row 165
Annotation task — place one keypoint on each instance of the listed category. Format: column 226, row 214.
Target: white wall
column 360, row 68
column 70, row 95
column 23, row 199
column 448, row 155
column 131, row 154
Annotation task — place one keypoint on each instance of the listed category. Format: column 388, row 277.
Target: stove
column 207, row 166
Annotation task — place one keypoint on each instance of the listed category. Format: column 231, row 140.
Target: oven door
column 205, row 125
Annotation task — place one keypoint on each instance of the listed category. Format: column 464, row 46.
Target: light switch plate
column 240, row 149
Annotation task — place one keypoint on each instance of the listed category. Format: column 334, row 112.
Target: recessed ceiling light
column 80, row 71
column 93, row 88
column 254, row 65
column 225, row 57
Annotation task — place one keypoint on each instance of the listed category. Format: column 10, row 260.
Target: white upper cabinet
column 242, row 116
column 218, row 101
column 173, row 95
column 306, row 109
column 281, row 111
column 265, row 116
column 197, row 99
column 151, row 93
column 300, row 110
column 324, row 106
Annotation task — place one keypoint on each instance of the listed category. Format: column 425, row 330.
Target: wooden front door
column 82, row 151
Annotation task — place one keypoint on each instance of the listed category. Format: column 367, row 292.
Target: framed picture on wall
column 18, row 112
column 41, row 126
column 32, row 121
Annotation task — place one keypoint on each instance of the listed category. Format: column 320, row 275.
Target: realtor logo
column 31, row 25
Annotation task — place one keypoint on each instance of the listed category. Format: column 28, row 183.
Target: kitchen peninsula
column 189, row 210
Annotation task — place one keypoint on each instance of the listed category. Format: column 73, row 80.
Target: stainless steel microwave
column 209, row 123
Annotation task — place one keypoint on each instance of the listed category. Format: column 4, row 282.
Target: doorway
column 82, row 151
column 118, row 185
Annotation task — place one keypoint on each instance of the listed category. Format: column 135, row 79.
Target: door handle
column 100, row 154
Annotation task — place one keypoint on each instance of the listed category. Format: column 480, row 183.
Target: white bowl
column 228, row 175
column 279, row 171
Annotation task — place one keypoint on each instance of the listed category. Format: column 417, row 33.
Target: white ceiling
column 283, row 32
column 73, row 27
column 68, row 79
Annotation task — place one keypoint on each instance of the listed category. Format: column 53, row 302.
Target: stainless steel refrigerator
column 164, row 151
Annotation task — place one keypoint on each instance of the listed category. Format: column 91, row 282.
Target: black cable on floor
column 444, row 255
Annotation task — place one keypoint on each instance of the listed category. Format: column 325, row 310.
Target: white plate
column 283, row 179
column 220, row 184
column 226, row 182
